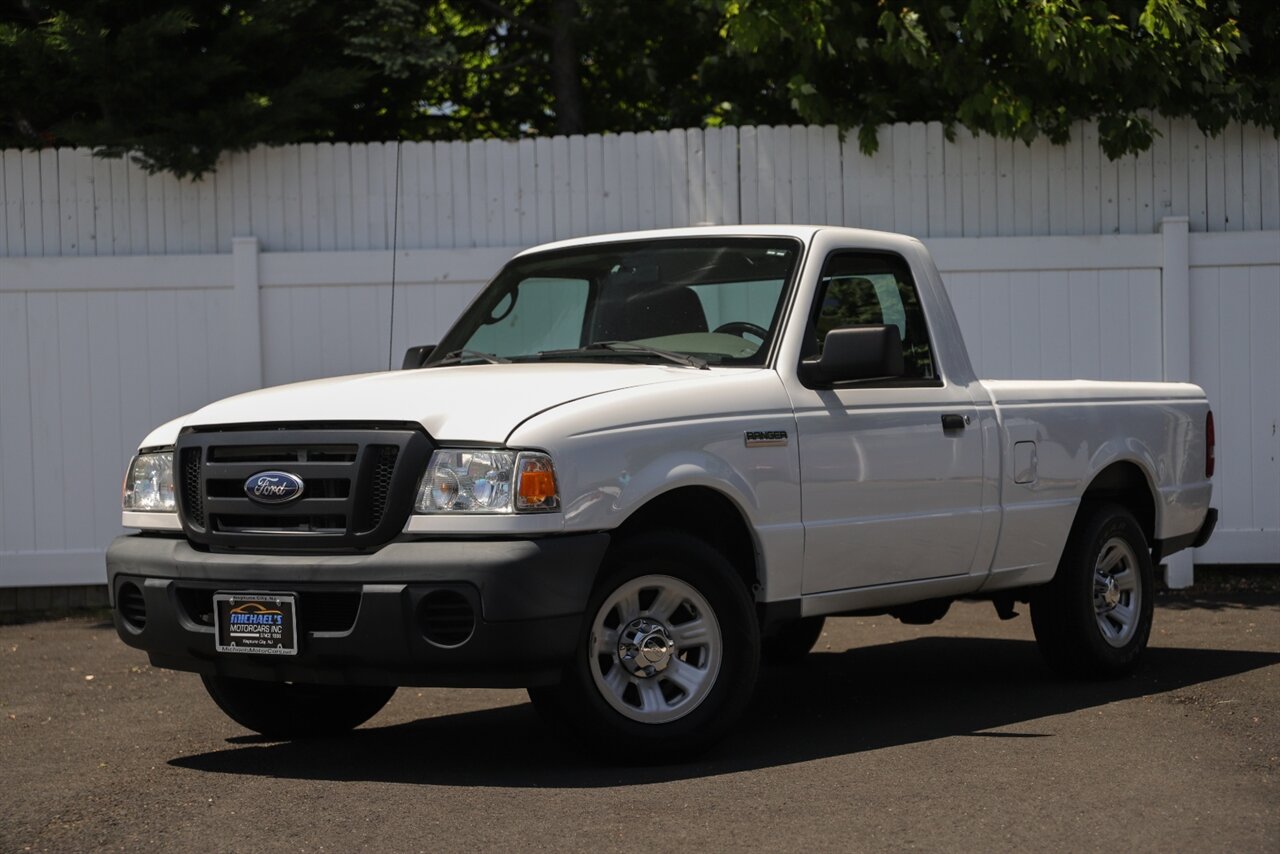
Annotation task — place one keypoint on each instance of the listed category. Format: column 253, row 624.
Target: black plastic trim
column 362, row 527
column 528, row 596
column 781, row 611
column 1206, row 530
column 1161, row 549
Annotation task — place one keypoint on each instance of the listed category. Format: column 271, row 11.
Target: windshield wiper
column 627, row 348
column 462, row 355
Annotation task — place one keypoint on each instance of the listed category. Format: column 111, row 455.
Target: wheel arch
column 708, row 514
column 1126, row 483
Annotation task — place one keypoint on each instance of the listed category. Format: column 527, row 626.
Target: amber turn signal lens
column 536, row 485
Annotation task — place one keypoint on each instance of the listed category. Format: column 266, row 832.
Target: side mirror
column 416, row 357
column 855, row 353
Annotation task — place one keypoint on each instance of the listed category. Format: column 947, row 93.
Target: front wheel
column 667, row 659
column 296, row 709
column 1094, row 618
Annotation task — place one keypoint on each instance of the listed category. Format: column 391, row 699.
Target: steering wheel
column 742, row 327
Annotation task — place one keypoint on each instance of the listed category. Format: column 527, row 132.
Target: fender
column 616, row 452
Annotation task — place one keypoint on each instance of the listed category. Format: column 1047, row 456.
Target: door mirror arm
column 416, row 357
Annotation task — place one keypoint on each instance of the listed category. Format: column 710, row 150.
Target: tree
column 1011, row 68
column 577, row 66
column 179, row 82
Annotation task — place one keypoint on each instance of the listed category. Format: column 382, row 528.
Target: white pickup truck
column 637, row 466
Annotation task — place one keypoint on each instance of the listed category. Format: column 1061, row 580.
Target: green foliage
column 179, row 82
column 1013, row 68
column 643, row 65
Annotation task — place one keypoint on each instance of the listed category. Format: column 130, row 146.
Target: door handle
column 954, row 422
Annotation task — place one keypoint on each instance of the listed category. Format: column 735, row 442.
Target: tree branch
column 525, row 21
column 566, row 80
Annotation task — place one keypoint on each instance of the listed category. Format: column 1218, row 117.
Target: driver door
column 889, row 494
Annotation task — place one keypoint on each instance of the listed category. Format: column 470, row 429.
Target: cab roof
column 804, row 233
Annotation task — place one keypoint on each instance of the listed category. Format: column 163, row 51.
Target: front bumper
column 361, row 617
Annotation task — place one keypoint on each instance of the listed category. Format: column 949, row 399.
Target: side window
column 539, row 314
column 877, row 288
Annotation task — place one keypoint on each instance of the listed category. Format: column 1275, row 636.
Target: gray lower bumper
column 527, row 597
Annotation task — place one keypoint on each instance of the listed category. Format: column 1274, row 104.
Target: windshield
column 716, row 300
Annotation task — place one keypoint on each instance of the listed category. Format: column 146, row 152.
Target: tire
column 667, row 658
column 1093, row 620
column 296, row 709
column 791, row 641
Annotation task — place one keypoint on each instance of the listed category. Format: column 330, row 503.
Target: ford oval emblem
column 273, row 487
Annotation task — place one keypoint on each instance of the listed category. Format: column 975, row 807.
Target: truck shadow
column 1193, row 601
column 832, row 704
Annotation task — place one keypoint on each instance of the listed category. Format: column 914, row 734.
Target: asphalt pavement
column 946, row 737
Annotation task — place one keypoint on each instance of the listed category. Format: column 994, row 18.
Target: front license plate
column 263, row 623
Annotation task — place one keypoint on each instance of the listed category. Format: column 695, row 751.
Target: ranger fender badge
column 765, row 438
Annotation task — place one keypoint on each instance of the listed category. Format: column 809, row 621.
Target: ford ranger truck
column 637, row 466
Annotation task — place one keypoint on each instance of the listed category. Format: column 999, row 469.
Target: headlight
column 149, row 484
column 487, row 481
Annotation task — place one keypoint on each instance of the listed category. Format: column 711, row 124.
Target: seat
column 650, row 312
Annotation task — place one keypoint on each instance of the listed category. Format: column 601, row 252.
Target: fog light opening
column 446, row 618
column 131, row 605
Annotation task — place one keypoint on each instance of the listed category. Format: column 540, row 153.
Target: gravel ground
column 951, row 736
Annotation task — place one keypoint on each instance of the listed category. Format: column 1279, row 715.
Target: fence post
column 1175, row 298
column 245, row 340
column 1175, row 317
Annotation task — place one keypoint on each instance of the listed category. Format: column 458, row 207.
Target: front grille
column 357, row 486
column 277, row 454
column 315, row 524
column 384, row 467
column 190, row 463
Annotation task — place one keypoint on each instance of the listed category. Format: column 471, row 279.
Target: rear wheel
column 668, row 658
column 1094, row 618
column 296, row 709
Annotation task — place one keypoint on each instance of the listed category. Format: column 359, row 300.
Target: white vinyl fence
column 95, row 351
column 309, row 197
column 93, row 354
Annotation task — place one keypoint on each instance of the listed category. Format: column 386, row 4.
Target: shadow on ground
column 832, row 705
column 1193, row 599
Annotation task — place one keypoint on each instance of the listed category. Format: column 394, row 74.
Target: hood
column 462, row 403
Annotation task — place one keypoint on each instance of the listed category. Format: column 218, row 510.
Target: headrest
column 648, row 312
